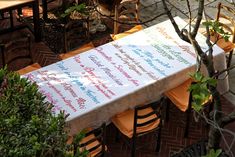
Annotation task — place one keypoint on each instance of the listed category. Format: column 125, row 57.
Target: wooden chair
column 106, row 7
column 10, row 17
column 120, row 10
column 18, row 52
column 126, row 33
column 140, row 121
column 74, row 31
column 126, row 11
column 225, row 16
column 50, row 5
column 182, row 99
column 81, row 49
column 94, row 142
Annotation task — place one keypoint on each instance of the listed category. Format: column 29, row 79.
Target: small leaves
column 213, row 153
column 81, row 8
column 200, row 91
column 25, row 118
column 217, row 27
column 79, row 137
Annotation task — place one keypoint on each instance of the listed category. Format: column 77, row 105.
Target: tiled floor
column 172, row 133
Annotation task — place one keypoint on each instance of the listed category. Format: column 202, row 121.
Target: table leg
column 2, row 15
column 37, row 30
column 44, row 6
column 11, row 18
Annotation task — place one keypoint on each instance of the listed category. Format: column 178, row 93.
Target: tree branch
column 199, row 18
column 197, row 48
column 227, row 119
column 210, row 45
column 180, row 33
column 223, row 71
column 190, row 15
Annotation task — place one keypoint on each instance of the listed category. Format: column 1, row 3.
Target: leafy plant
column 200, row 91
column 80, row 8
column 28, row 128
column 213, row 153
column 216, row 27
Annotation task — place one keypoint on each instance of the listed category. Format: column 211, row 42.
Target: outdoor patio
column 173, row 139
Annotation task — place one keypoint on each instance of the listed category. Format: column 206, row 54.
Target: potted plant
column 81, row 11
column 28, row 126
column 70, row 19
column 76, row 11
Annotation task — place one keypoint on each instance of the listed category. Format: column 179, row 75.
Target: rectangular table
column 9, row 5
column 95, row 85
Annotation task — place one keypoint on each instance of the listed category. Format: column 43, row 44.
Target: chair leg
column 210, row 108
column 137, row 11
column 117, row 135
column 158, row 140
column 167, row 109
column 115, row 27
column 65, row 40
column 11, row 19
column 133, row 147
column 230, row 58
column 187, row 123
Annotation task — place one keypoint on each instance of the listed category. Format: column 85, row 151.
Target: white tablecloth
column 95, row 85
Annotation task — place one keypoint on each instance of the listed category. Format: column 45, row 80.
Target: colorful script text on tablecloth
column 87, row 81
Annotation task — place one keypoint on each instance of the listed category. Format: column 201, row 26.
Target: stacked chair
column 139, row 121
column 18, row 51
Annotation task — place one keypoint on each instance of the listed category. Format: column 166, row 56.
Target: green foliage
column 200, row 92
column 217, row 27
column 213, row 153
column 81, row 8
column 28, row 128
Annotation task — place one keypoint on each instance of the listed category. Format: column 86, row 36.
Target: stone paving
column 149, row 8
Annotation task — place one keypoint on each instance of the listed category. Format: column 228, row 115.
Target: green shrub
column 28, row 127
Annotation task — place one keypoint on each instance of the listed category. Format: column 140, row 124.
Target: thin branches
column 223, row 71
column 168, row 12
column 215, row 125
column 199, row 18
column 219, row 120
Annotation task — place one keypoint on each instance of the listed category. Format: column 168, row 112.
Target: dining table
column 95, row 85
column 10, row 5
